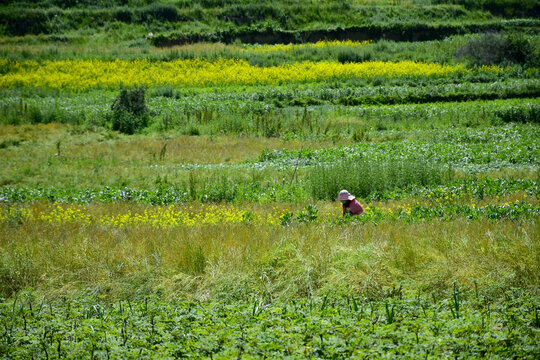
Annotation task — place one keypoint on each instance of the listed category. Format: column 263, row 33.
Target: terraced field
column 168, row 173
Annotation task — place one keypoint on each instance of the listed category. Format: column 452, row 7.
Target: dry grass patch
column 81, row 143
column 210, row 262
column 66, row 156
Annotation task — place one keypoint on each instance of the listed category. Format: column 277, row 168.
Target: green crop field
column 169, row 169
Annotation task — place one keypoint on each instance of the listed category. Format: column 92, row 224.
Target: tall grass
column 368, row 177
column 231, row 262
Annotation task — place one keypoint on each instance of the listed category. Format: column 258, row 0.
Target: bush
column 124, row 14
column 129, row 111
column 160, row 12
column 193, row 131
column 354, row 56
column 251, row 13
column 18, row 22
column 495, row 49
column 520, row 114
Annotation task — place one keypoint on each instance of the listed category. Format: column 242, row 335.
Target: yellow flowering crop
column 318, row 44
column 88, row 74
column 158, row 216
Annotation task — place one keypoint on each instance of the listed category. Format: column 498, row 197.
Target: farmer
column 350, row 204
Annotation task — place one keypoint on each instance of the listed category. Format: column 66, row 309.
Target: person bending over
column 350, row 204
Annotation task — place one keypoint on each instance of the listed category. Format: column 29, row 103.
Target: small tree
column 129, row 111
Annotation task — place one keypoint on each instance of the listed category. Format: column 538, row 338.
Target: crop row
column 166, row 217
column 235, row 190
column 467, row 150
column 289, row 112
column 262, row 48
column 88, row 74
column 382, row 91
column 457, row 323
column 446, row 51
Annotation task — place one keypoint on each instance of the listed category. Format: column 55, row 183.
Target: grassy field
column 168, row 173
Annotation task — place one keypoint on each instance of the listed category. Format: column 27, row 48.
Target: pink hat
column 344, row 195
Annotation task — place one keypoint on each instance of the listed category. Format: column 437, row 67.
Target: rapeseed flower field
column 92, row 74
column 317, row 45
column 157, row 216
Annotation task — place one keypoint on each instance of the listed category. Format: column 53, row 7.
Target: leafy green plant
column 15, row 217
column 286, row 219
column 308, row 215
column 149, row 326
column 390, row 312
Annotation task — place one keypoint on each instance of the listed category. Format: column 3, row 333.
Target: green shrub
column 496, row 49
column 351, row 55
column 31, row 21
column 129, row 111
column 124, row 14
column 160, row 12
column 193, row 131
column 520, row 114
column 252, row 13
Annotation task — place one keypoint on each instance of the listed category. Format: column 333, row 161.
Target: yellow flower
column 89, row 74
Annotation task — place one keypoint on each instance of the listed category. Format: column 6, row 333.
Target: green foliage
column 329, row 327
column 124, row 14
column 309, row 215
column 33, row 21
column 401, row 153
column 250, row 21
column 350, row 55
column 508, row 8
column 496, row 49
column 299, row 110
column 225, row 190
column 520, row 115
column 286, row 219
column 194, row 261
column 471, row 150
column 159, row 12
column 364, row 177
column 250, row 13
column 193, row 130
column 129, row 113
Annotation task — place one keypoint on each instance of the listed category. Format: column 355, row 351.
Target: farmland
column 168, row 173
